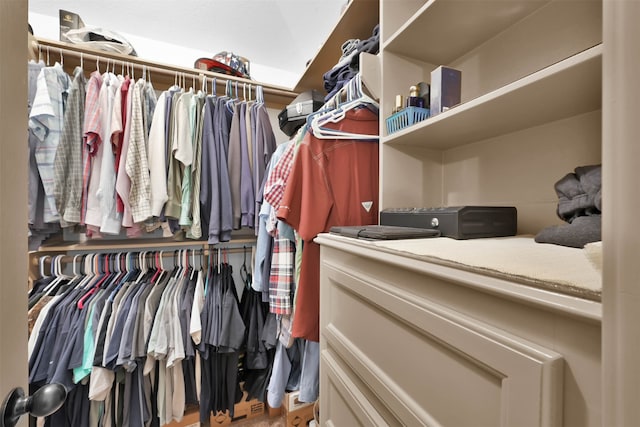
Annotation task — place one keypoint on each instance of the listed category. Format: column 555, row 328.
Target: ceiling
column 278, row 37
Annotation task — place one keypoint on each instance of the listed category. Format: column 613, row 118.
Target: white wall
column 48, row 27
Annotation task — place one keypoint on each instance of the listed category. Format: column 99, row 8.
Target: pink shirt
column 92, row 137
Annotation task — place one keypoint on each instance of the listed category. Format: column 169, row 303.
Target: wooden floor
column 261, row 421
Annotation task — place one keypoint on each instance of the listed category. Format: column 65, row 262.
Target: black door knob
column 45, row 401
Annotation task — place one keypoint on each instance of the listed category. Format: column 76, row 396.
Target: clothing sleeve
column 205, row 167
column 157, row 160
column 195, row 327
column 278, row 175
column 183, row 147
column 116, row 118
column 225, row 204
column 92, row 123
column 307, row 200
column 42, row 110
column 214, row 189
column 235, row 166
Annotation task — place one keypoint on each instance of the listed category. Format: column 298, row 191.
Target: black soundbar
column 457, row 222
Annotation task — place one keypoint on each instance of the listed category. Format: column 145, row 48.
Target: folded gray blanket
column 580, row 205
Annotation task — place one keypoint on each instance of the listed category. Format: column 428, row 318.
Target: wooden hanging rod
column 35, row 259
column 137, row 245
column 162, row 75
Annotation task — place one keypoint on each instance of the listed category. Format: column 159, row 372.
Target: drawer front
column 421, row 363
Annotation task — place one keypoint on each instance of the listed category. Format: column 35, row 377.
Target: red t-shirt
column 333, row 182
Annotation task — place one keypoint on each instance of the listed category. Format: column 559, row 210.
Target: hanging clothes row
column 326, row 175
column 107, row 153
column 134, row 343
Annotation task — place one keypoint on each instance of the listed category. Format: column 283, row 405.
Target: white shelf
column 443, row 30
column 356, row 22
column 562, row 90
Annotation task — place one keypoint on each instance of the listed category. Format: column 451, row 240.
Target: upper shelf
column 567, row 88
column 433, row 36
column 356, row 22
column 162, row 75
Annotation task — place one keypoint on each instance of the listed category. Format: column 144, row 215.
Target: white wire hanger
column 336, row 111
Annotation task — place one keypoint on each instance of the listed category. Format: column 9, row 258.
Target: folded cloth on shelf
column 348, row 65
column 579, row 204
column 370, row 45
column 336, row 78
column 582, row 230
column 349, row 49
column 593, row 251
column 580, row 193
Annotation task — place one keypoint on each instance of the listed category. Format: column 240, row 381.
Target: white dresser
column 408, row 340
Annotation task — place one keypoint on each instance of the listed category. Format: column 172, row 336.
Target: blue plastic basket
column 406, row 117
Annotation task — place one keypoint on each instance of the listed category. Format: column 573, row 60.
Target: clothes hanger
column 328, row 106
column 184, row 260
column 259, row 94
column 159, row 267
column 95, row 284
column 55, row 272
column 73, row 266
column 41, row 262
column 356, row 97
column 193, row 264
column 114, row 282
column 142, row 260
column 209, row 270
column 228, row 89
column 177, row 263
column 244, row 273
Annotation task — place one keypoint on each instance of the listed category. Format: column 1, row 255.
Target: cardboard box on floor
column 298, row 414
column 244, row 410
column 273, row 412
column 191, row 418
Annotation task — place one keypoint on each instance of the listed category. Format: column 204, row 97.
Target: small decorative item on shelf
column 414, row 99
column 406, row 113
column 406, row 117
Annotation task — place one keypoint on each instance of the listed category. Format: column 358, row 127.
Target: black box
column 446, row 89
column 457, row 222
column 295, row 114
column 68, row 21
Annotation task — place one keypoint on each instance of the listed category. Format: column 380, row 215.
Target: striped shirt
column 281, row 278
column 68, row 161
column 137, row 164
column 46, row 122
column 277, row 180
